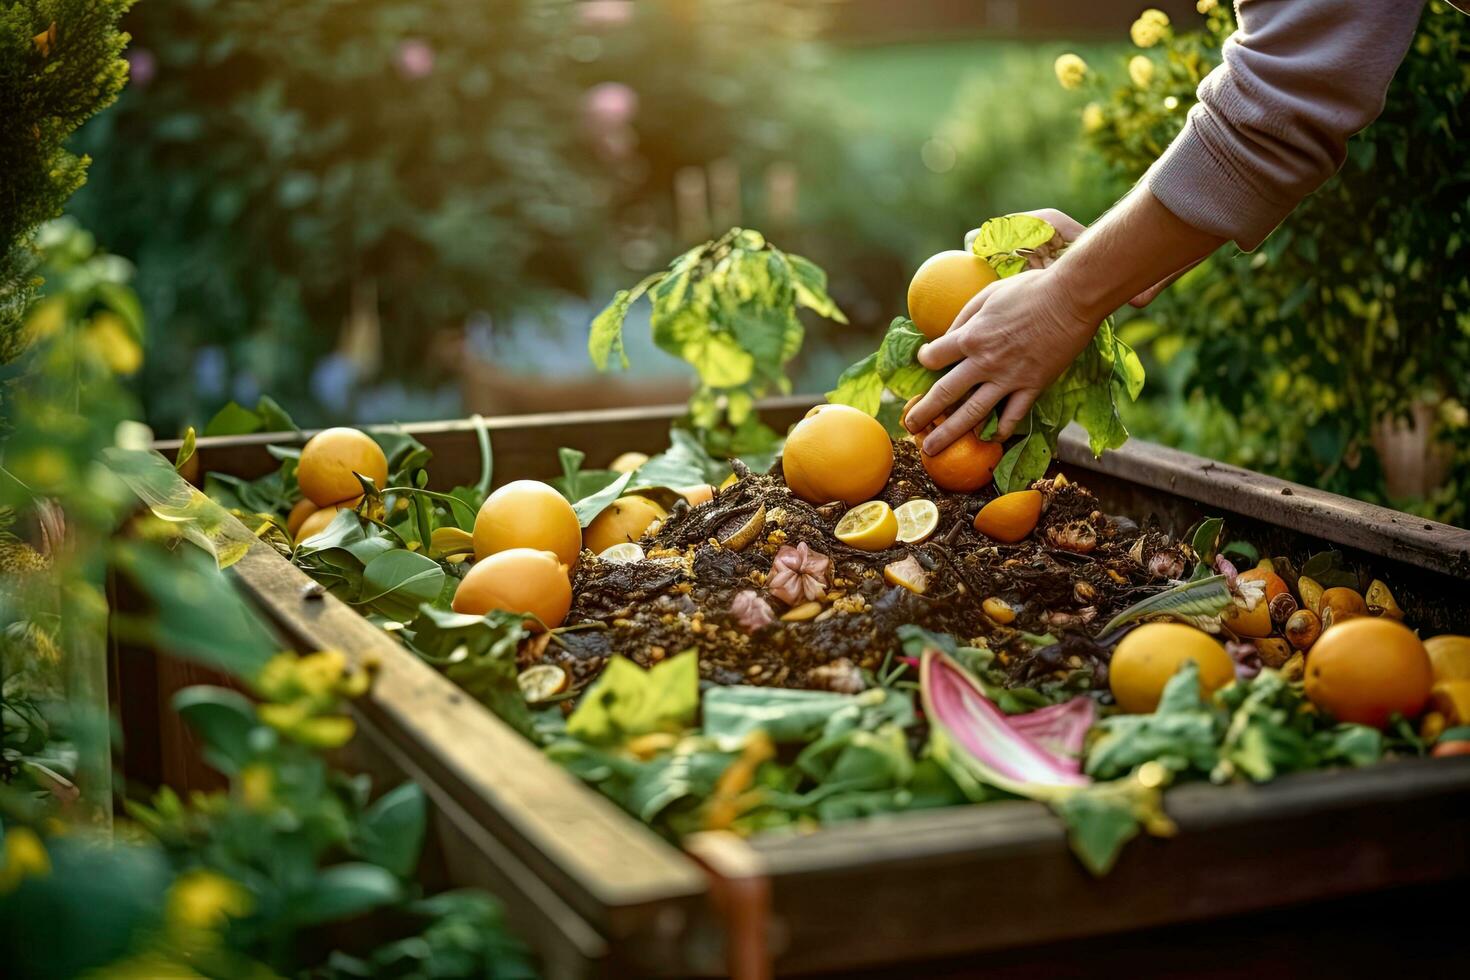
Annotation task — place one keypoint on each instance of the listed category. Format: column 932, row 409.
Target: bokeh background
column 379, row 210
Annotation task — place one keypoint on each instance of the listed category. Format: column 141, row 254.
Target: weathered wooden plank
column 613, row 871
column 468, row 855
column 1340, row 520
column 968, row 879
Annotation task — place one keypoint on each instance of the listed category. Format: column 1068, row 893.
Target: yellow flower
column 257, row 784
column 203, row 899
column 1141, row 70
column 25, row 856
column 1149, row 28
column 1071, row 70
column 1205, row 6
column 1093, row 118
column 111, row 340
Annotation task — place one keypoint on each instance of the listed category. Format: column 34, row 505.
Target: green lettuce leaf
column 627, row 700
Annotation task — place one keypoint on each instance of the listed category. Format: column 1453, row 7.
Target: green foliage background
column 59, row 65
column 1355, row 310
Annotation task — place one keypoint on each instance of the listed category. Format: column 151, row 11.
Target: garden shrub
column 278, row 167
column 1355, row 310
column 59, row 65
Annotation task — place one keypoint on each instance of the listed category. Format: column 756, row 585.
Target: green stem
column 487, row 458
column 435, row 495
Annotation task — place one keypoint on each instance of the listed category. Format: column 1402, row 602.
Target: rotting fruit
column 942, row 286
column 518, row 580
column 1449, row 656
column 528, row 514
column 1340, row 604
column 1368, row 669
column 1011, row 516
column 331, row 457
column 1146, row 658
column 625, row 519
column 1254, row 622
column 837, row 453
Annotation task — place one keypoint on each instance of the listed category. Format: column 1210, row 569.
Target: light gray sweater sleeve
column 1272, row 122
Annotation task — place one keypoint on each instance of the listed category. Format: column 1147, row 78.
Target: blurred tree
column 59, row 65
column 282, row 168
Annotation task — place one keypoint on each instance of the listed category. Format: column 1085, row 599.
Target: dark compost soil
column 1066, row 579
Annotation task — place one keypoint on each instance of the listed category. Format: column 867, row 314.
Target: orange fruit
column 625, row 519
column 1256, row 622
column 1149, row 656
column 963, row 466
column 1275, row 584
column 1340, row 604
column 329, row 459
column 699, row 493
column 316, row 522
column 518, row 580
column 1367, row 669
column 528, row 514
column 1011, row 516
column 1250, row 622
column 837, row 453
column 303, row 509
column 942, row 286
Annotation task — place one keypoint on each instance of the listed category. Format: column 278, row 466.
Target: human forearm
column 1136, row 245
column 1298, row 78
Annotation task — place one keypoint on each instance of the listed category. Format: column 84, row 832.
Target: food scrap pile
column 758, row 583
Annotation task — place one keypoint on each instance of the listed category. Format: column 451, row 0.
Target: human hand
column 1013, row 338
column 1069, row 229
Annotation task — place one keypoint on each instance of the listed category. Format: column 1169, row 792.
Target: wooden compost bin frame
column 596, row 892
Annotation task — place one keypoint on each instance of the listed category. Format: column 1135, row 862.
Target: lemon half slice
column 917, row 519
column 541, row 682
column 871, row 526
column 623, row 553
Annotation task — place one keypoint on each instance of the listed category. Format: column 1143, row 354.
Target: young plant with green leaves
column 729, row 309
column 1106, row 373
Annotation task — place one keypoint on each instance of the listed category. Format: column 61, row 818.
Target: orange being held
column 942, row 286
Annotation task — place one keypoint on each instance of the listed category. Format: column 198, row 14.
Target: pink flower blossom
column 799, row 574
column 751, row 612
column 414, row 58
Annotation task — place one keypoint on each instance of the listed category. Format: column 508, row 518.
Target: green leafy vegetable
column 397, row 582
column 1183, row 733
column 1260, row 729
column 627, row 700
column 1200, row 603
column 479, row 654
